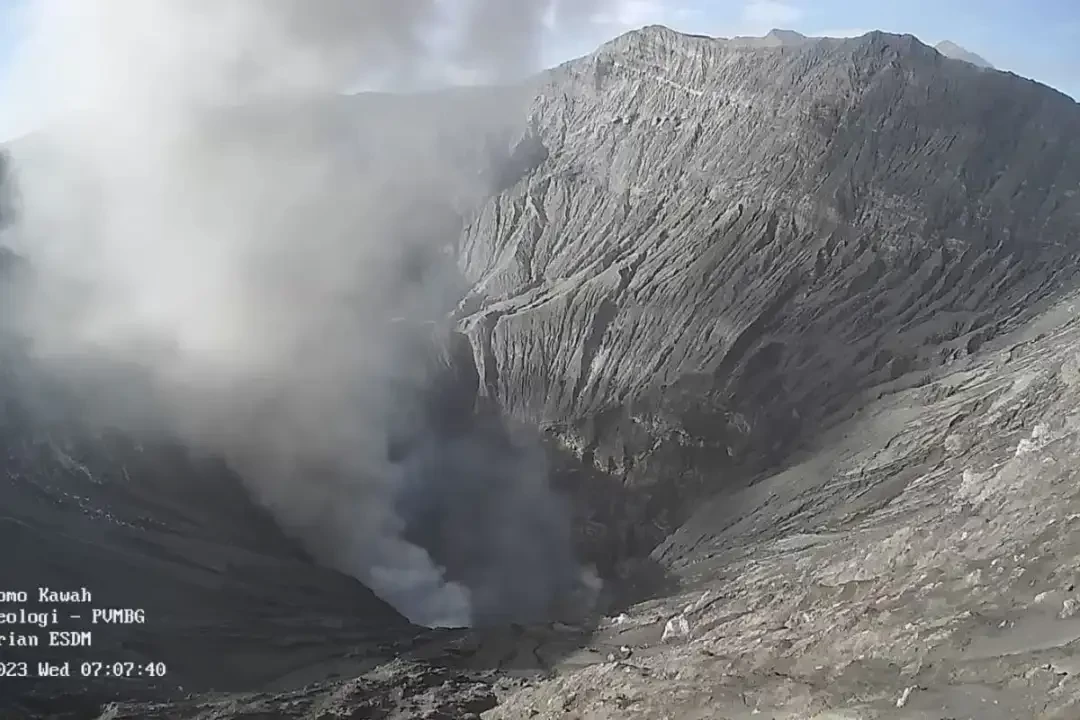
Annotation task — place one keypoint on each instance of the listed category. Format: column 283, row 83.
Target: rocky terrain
column 795, row 319
column 727, row 244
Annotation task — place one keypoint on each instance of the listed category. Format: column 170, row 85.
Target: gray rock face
column 726, row 245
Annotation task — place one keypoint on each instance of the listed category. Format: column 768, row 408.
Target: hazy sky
column 1039, row 39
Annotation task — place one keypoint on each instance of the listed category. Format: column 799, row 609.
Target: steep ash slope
column 726, row 244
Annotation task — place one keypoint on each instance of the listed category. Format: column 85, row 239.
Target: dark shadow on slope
column 147, row 525
column 613, row 528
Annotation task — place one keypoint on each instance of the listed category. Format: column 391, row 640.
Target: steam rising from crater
column 207, row 217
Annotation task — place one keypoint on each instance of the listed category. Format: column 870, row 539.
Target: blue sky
column 8, row 38
column 1039, row 39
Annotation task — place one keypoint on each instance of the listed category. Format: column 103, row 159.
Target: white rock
column 904, row 697
column 677, row 628
column 1069, row 608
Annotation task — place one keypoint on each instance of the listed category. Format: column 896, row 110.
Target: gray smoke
column 205, row 208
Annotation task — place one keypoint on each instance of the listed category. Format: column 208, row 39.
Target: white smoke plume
column 204, row 206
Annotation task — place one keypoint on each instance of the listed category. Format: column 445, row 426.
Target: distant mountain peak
column 951, row 50
column 787, row 37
